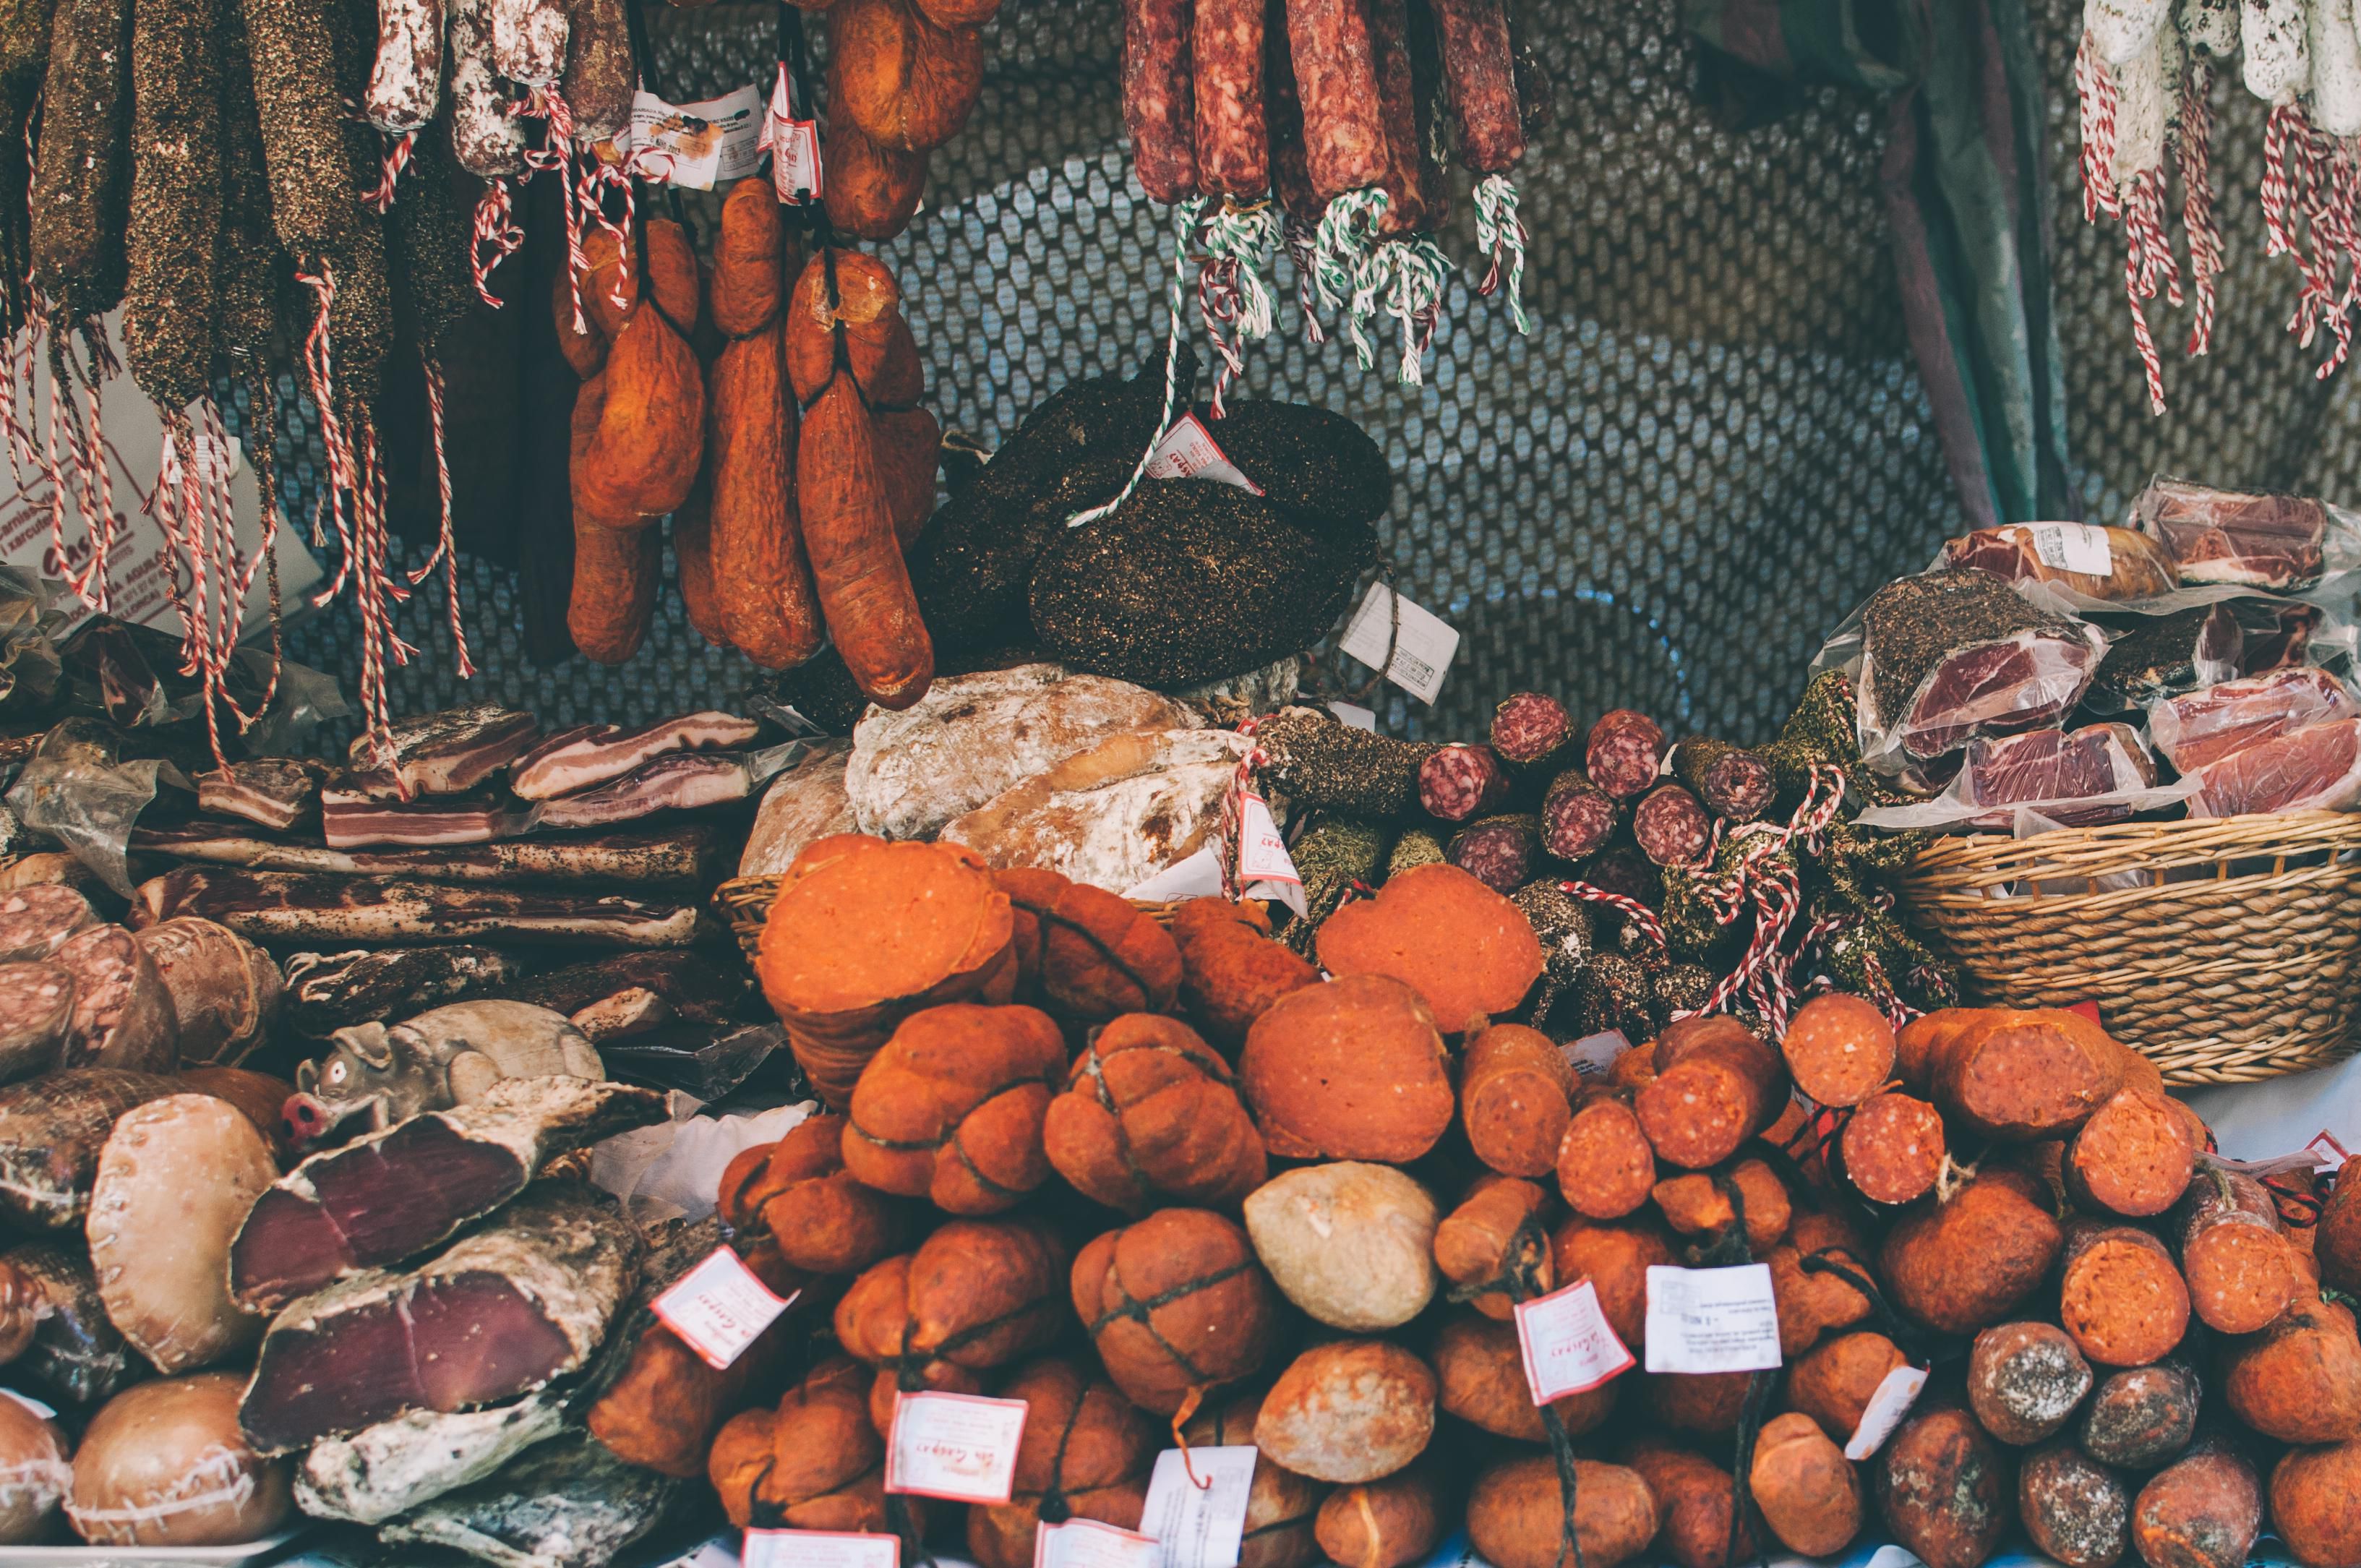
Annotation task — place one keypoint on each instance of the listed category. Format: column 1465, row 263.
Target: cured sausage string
column 1190, row 213
column 1231, row 293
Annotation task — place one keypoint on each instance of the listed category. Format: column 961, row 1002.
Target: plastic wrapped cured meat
column 2199, row 728
column 1951, row 655
column 2152, row 657
column 2316, row 768
column 2050, row 770
column 2094, row 562
column 2228, row 536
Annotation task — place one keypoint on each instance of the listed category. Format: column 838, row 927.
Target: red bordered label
column 1567, row 1344
column 1087, row 1543
column 820, row 1549
column 719, row 1308
column 961, row 1448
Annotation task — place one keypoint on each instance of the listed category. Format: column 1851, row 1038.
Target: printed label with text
column 958, row 1447
column 719, row 1308
column 820, row 1549
column 1087, row 1543
column 1568, row 1345
column 1197, row 1504
column 1415, row 655
column 1712, row 1319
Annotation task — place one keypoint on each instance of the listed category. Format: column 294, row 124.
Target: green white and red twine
column 1500, row 235
column 1232, row 298
column 1188, row 214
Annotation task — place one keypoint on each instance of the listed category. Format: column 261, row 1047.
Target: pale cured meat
column 2317, row 768
column 2225, row 536
column 393, row 1467
column 523, row 1301
column 225, row 989
column 34, row 922
column 455, row 750
column 808, row 801
column 2200, row 729
column 591, row 754
column 1115, row 814
column 391, row 1195
column 52, row 1130
column 34, row 1475
column 684, row 780
column 2094, row 562
column 350, row 817
column 569, row 1504
column 2052, row 769
column 163, row 1465
column 328, row 991
column 1949, row 655
column 971, row 737
column 274, row 906
column 681, row 855
column 122, row 1015
column 271, row 791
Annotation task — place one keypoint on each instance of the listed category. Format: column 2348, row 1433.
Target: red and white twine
column 497, row 227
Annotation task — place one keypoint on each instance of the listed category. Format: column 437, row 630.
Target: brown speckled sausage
column 1481, row 69
column 1233, row 136
column 599, row 79
column 1406, row 192
column 1290, row 175
column 1158, row 100
column 1336, row 81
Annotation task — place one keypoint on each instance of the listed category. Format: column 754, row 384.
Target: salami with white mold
column 34, row 922
column 405, row 82
column 1159, row 100
column 1673, row 829
column 1624, row 753
column 52, row 1130
column 1458, row 782
column 591, row 754
column 488, row 140
column 122, row 1015
column 1480, row 67
column 529, row 41
column 36, row 1010
column 276, row 906
column 225, row 989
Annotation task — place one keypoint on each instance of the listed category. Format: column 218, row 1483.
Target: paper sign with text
column 1712, row 1319
column 1568, row 1345
column 1087, row 1543
column 1190, row 452
column 1200, row 1526
column 1595, row 1054
column 820, row 1549
column 1423, row 645
column 1895, row 1394
column 792, row 138
column 719, row 1308
column 2073, row 548
column 958, row 1447
column 693, row 146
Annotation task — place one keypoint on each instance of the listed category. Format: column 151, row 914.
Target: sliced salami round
column 1673, row 829
column 1623, row 753
column 34, row 922
column 35, row 1006
column 122, row 1015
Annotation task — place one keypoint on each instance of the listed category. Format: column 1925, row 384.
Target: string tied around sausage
column 1414, row 273
column 1347, row 269
column 1500, row 235
column 398, row 149
column 1232, row 300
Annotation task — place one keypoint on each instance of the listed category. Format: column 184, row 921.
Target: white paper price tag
column 693, row 146
column 2073, row 548
column 1190, row 452
column 1422, row 647
column 1265, row 868
column 719, row 1308
column 1354, row 714
column 820, row 1549
column 1200, row 1526
column 793, row 142
column 1087, row 1543
column 1593, row 1054
column 1894, row 1396
column 1567, row 1344
column 958, row 1447
column 1712, row 1319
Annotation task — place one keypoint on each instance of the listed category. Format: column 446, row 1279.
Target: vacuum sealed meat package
column 2051, row 770
column 2252, row 538
column 2195, row 730
column 1951, row 655
column 2155, row 656
column 2316, row 768
column 2096, row 562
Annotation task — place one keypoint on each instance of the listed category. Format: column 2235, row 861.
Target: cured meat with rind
column 1949, row 655
column 2193, row 731
column 2225, row 536
column 225, row 989
column 592, row 754
column 122, row 1015
column 568, row 1504
column 328, row 992
column 453, row 752
column 2317, row 768
column 680, row 781
column 676, row 856
column 271, row 791
column 52, row 1130
column 279, row 906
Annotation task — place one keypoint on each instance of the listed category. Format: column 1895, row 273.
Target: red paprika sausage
column 1225, row 66
column 1336, row 81
column 1159, row 103
column 1477, row 62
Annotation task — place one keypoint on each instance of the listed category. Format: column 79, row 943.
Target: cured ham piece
column 2317, row 768
column 683, row 856
column 1951, row 655
column 275, row 906
column 351, row 818
column 2196, row 730
column 681, row 782
column 591, row 754
column 328, row 991
column 2051, row 768
column 453, row 752
column 274, row 792
column 2226, row 536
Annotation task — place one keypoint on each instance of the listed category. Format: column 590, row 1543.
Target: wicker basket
column 745, row 903
column 2236, row 956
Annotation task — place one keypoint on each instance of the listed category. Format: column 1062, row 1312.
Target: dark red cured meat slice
column 1225, row 67
column 1291, row 172
column 2052, row 766
column 1499, row 851
column 1398, row 100
column 592, row 754
column 2016, row 683
column 1158, row 101
column 1577, row 817
column 1481, row 67
column 123, row 1015
column 1336, row 83
column 2317, row 768
column 1673, row 829
column 2225, row 536
column 35, row 921
column 1458, row 782
column 1623, row 753
column 1529, row 728
column 2206, row 726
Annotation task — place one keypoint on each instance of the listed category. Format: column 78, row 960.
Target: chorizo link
column 1480, row 67
column 1158, row 98
column 1336, row 83
column 1233, row 142
column 864, row 586
column 1291, row 174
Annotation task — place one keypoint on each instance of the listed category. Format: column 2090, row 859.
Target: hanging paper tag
column 1190, row 452
column 1423, row 647
column 692, row 145
column 1354, row 714
column 1895, row 1394
column 1712, row 1319
column 1199, row 1526
column 1593, row 1054
column 958, row 1447
column 820, row 1549
column 719, row 1308
column 1568, row 1345
column 2073, row 548
column 1087, row 1543
column 793, row 142
column 1265, row 868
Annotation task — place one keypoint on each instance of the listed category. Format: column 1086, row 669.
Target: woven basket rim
column 1975, row 861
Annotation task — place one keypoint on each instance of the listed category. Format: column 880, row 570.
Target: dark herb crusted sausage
column 1158, row 100
column 362, row 313
column 81, row 175
column 1233, row 134
column 246, row 291
column 174, row 239
column 24, row 61
column 428, row 240
column 1480, row 67
column 599, row 79
column 315, row 205
column 1336, row 81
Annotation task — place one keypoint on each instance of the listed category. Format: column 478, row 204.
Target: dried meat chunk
column 2094, row 562
column 2050, row 769
column 2274, row 631
column 2227, row 536
column 274, row 792
column 2153, row 657
column 452, row 752
column 350, row 817
column 2201, row 727
column 1951, row 655
column 591, row 754
column 2316, row 768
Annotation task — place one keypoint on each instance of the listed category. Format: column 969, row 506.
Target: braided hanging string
column 1766, row 878
column 497, row 227
column 1232, row 300
column 597, row 177
column 2094, row 86
column 2279, row 237
column 1187, row 215
column 1417, row 272
column 446, row 553
column 554, row 156
column 1345, row 269
column 2149, row 266
column 396, row 158
column 2192, row 151
column 1300, row 241
column 84, row 478
column 1500, row 235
